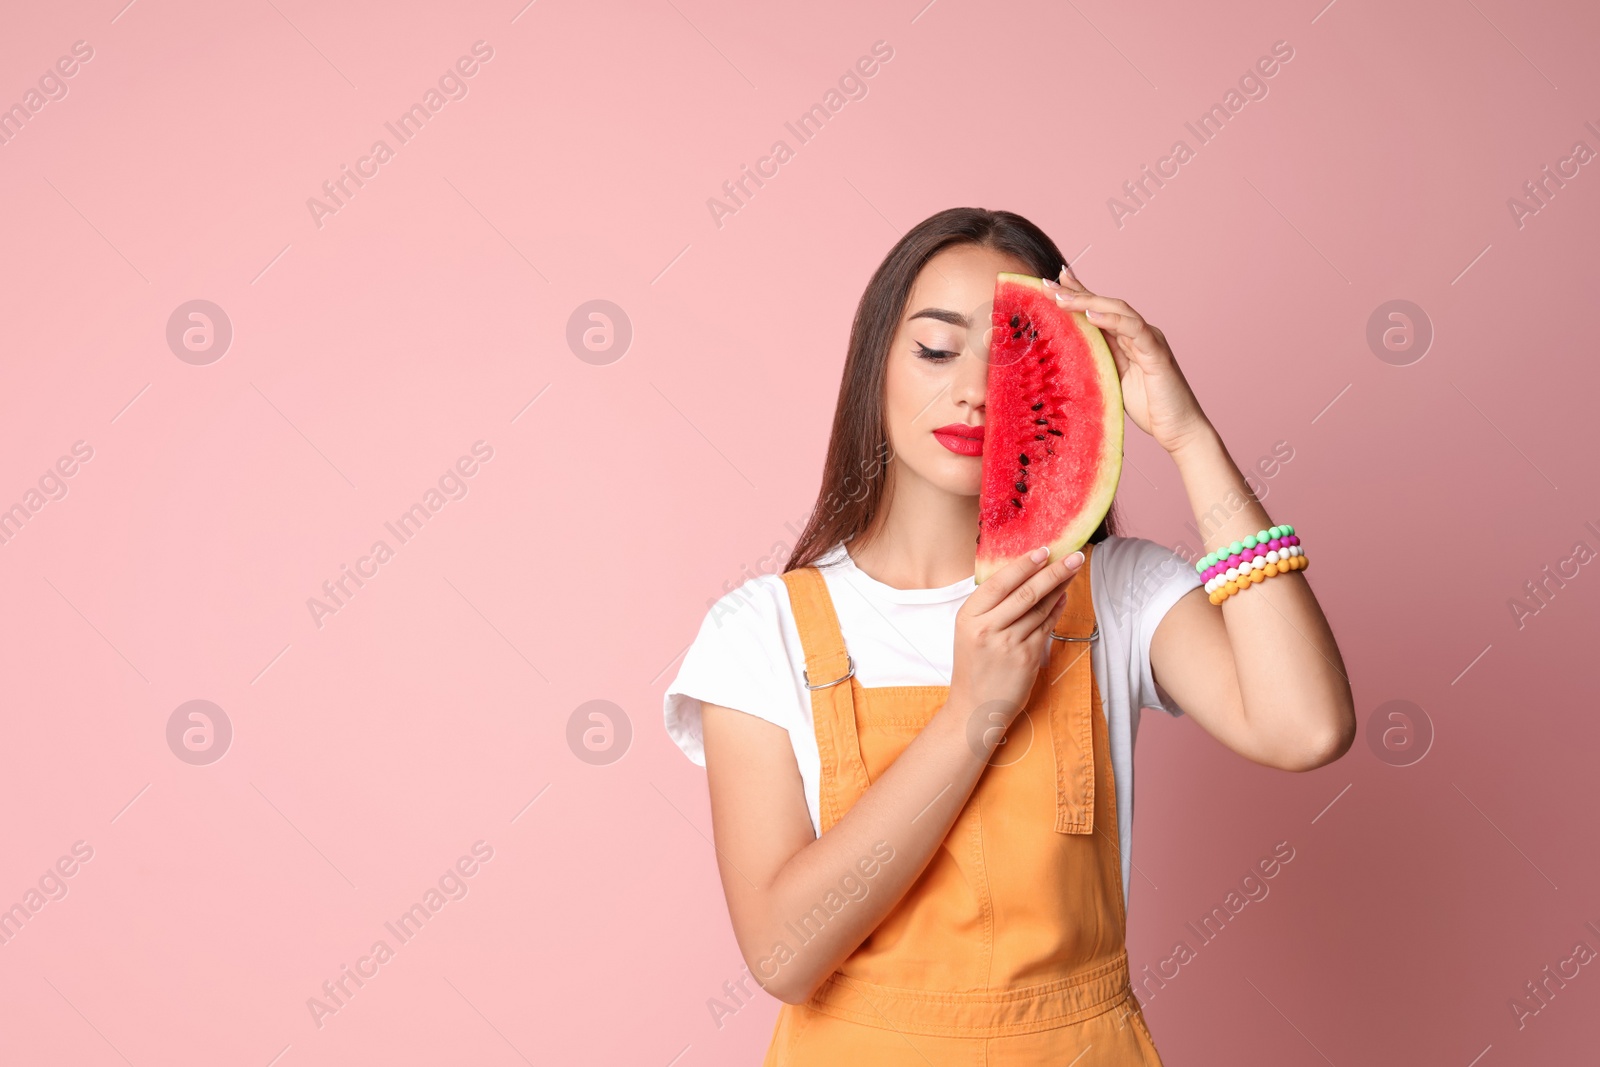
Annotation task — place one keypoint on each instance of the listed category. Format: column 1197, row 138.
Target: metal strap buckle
column 836, row 681
column 1055, row 637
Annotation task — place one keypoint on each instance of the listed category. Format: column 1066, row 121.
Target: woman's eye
column 937, row 355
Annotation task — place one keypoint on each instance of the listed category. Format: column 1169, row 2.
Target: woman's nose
column 971, row 383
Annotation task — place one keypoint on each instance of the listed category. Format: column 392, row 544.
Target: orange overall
column 1009, row 948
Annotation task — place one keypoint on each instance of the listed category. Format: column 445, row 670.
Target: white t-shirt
column 748, row 655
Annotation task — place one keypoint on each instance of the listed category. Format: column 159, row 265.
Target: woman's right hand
column 773, row 864
column 1000, row 634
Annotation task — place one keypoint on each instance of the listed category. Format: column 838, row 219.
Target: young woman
column 922, row 788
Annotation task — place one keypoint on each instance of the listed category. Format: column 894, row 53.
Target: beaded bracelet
column 1246, row 550
column 1251, row 561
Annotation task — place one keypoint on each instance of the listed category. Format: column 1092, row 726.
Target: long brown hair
column 855, row 470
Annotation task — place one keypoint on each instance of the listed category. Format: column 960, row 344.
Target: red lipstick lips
column 960, row 439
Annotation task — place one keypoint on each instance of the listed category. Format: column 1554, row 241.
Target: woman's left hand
column 1154, row 392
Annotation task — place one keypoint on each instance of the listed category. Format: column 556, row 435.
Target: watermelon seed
column 1016, row 320
column 1041, row 359
column 1024, row 458
column 1015, row 334
column 1041, row 422
column 1017, row 502
column 1039, row 405
column 1038, row 437
column 1021, row 488
column 1056, row 432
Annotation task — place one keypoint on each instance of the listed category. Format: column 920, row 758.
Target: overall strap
column 829, row 676
column 1072, row 714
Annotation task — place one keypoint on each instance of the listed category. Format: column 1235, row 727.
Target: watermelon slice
column 1052, row 446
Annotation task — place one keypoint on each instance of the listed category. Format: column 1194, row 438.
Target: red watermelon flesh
column 1052, row 446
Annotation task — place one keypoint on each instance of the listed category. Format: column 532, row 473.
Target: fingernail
column 1040, row 554
column 1051, row 283
column 1093, row 314
column 1074, row 560
column 1064, row 269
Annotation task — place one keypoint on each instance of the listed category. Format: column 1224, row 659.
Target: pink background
column 370, row 353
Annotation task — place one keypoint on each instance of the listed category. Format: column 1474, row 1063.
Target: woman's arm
column 800, row 904
column 776, row 873
column 1261, row 671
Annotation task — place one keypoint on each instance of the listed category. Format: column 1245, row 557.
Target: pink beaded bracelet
column 1274, row 545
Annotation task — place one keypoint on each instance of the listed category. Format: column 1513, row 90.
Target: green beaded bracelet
column 1261, row 537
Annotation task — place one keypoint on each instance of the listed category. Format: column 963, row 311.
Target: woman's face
column 938, row 366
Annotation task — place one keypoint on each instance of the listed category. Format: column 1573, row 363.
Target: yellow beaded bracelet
column 1256, row 577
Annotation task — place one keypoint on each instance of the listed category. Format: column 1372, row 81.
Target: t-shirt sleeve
column 1159, row 578
column 737, row 660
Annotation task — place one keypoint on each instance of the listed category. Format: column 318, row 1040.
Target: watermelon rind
column 1103, row 483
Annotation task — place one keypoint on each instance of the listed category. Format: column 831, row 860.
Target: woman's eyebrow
column 952, row 317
